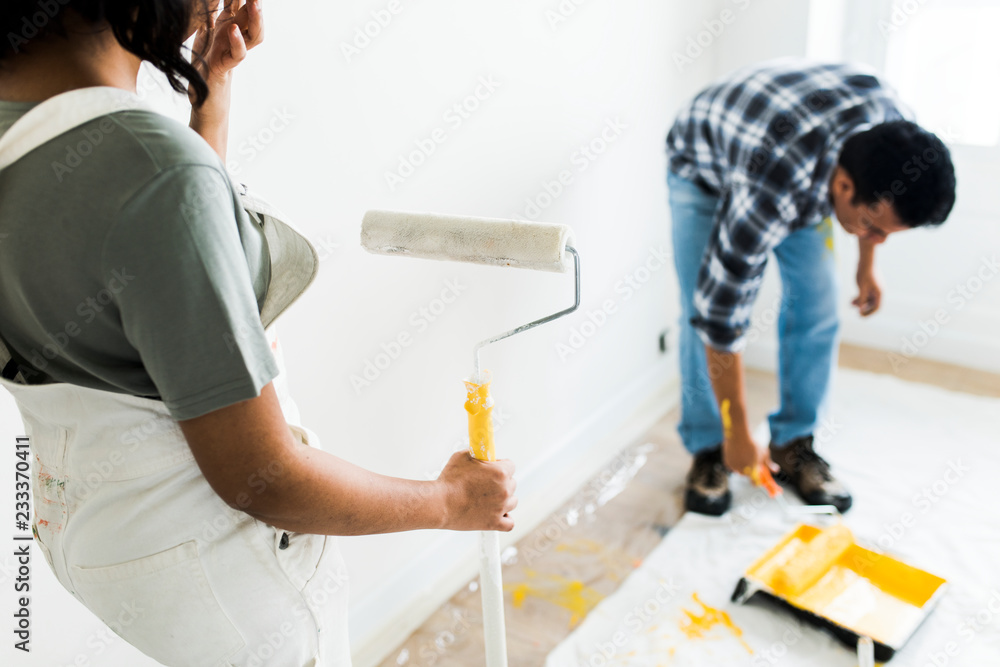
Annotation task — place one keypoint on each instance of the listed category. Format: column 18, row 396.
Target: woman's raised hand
column 230, row 31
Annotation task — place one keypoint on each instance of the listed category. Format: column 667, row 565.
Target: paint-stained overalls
column 131, row 527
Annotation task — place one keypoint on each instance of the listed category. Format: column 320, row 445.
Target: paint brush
column 762, row 477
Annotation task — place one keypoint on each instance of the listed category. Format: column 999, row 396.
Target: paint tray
column 862, row 594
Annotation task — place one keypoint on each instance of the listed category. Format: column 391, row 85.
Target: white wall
column 558, row 88
column 316, row 131
column 326, row 130
column 925, row 313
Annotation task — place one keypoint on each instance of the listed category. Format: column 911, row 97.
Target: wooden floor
column 597, row 541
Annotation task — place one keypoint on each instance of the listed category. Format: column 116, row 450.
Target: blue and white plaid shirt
column 766, row 140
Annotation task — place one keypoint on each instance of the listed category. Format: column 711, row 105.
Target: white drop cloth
column 924, row 466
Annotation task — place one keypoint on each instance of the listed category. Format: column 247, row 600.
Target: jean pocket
column 298, row 554
column 163, row 605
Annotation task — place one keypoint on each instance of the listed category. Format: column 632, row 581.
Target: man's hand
column 869, row 291
column 479, row 494
column 739, row 451
column 743, row 455
column 869, row 286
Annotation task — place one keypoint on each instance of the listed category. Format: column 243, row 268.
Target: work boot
column 809, row 474
column 707, row 490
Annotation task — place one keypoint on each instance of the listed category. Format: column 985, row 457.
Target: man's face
column 873, row 222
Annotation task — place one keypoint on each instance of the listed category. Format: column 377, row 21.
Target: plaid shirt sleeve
column 766, row 140
column 750, row 223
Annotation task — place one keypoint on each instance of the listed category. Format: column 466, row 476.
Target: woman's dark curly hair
column 154, row 30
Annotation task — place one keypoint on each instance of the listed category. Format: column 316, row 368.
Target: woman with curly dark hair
column 176, row 493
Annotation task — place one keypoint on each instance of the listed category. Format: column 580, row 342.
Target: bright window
column 945, row 62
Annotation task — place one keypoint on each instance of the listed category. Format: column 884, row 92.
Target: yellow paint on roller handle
column 812, row 560
column 479, row 405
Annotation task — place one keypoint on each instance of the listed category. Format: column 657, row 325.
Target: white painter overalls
column 131, row 527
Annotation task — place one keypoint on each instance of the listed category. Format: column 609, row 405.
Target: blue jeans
column 807, row 323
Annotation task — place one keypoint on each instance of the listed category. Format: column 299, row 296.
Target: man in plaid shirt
column 758, row 164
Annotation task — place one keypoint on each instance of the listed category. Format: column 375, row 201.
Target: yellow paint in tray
column 871, row 594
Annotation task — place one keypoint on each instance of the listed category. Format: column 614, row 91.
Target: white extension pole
column 479, row 406
column 491, row 584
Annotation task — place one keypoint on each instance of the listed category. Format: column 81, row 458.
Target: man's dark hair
column 905, row 165
column 154, row 30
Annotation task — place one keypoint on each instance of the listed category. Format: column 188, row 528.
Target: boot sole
column 695, row 502
column 841, row 504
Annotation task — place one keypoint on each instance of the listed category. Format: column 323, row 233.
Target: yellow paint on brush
column 479, row 405
column 572, row 595
column 699, row 624
column 826, row 228
column 727, row 421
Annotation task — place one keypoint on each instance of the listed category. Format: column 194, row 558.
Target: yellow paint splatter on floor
column 698, row 625
column 572, row 595
column 617, row 563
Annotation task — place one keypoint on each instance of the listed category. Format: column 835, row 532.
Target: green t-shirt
column 127, row 264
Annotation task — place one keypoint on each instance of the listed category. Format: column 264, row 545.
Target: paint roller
column 812, row 560
column 527, row 245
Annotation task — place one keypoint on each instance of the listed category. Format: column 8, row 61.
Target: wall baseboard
column 407, row 597
column 980, row 353
column 900, row 333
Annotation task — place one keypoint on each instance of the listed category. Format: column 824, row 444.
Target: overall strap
column 60, row 114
